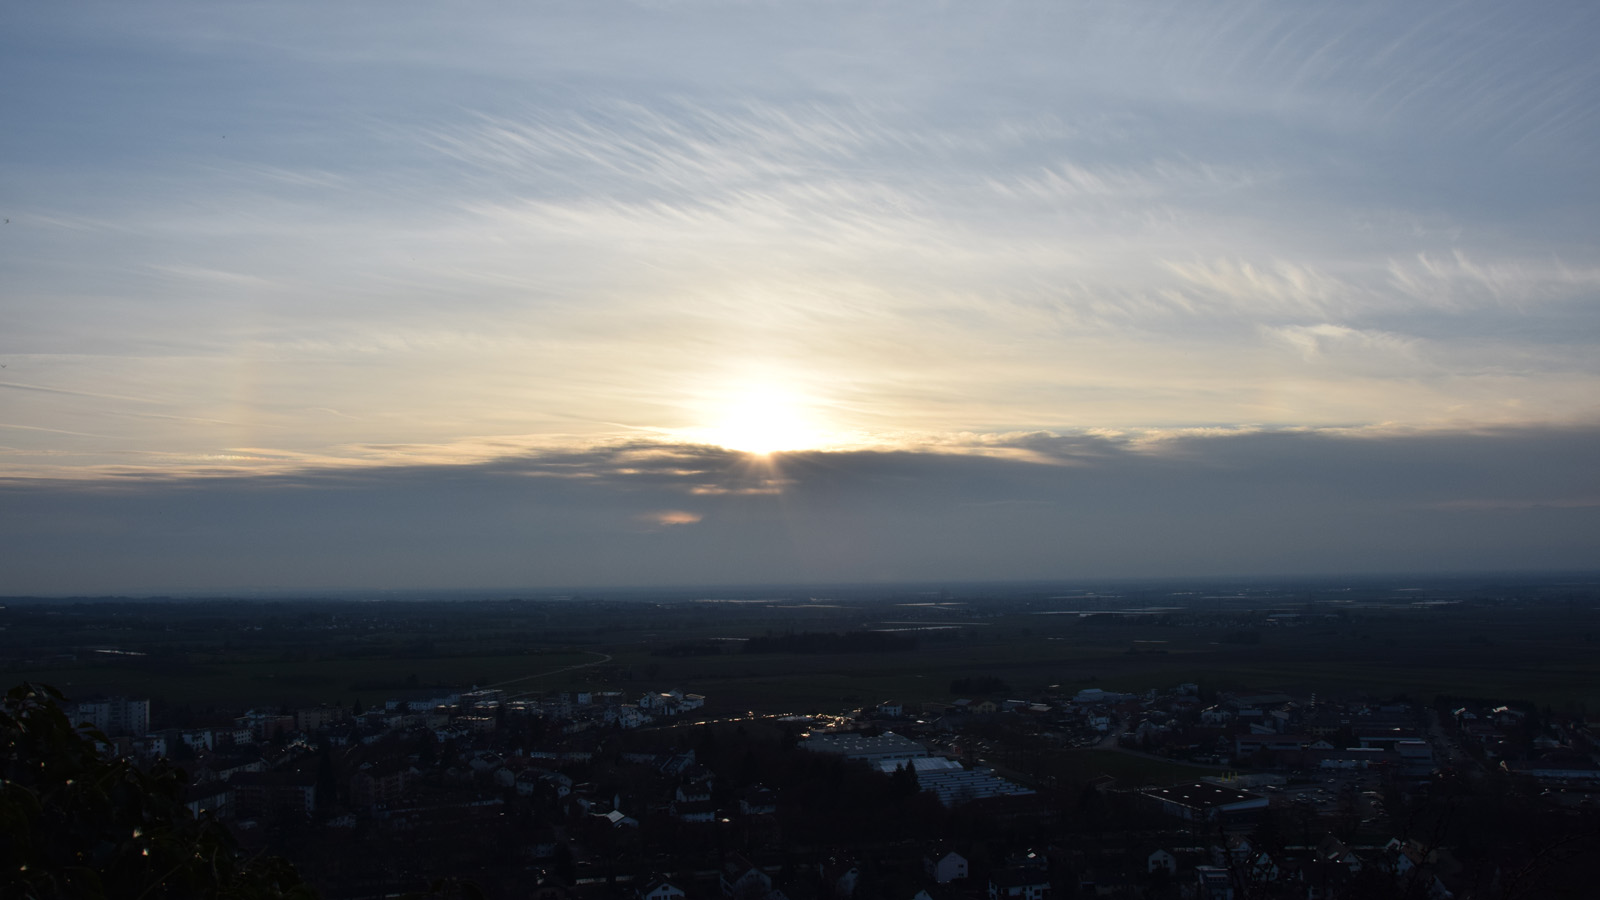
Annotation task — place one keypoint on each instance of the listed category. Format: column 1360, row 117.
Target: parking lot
column 1329, row 792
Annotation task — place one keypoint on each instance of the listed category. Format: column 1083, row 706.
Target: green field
column 305, row 682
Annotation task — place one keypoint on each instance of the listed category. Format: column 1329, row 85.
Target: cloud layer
column 1035, row 507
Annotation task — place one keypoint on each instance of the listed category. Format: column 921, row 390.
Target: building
column 944, row 865
column 1019, row 883
column 881, row 748
column 1212, row 883
column 954, row 784
column 740, row 879
column 114, row 716
column 758, row 801
column 274, row 794
column 320, row 717
column 1202, row 802
column 658, row 888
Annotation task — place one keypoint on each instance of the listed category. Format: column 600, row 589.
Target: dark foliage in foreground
column 76, row 825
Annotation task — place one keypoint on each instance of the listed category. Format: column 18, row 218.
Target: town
column 588, row 779
column 598, row 794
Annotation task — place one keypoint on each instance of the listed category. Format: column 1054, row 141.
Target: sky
column 373, row 295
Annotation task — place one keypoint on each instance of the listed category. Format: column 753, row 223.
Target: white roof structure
column 886, row 746
column 958, row 786
column 923, row 764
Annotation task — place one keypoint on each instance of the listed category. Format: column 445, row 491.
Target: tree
column 327, row 781
column 74, row 824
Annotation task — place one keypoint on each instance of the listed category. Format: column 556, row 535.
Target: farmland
column 1535, row 640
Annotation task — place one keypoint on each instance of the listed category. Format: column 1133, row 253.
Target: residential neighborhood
column 604, row 794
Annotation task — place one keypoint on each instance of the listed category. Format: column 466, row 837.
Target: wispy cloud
column 1460, row 282
column 1313, row 341
column 1140, row 218
column 1277, row 289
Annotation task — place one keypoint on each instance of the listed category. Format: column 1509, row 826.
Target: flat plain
column 1533, row 640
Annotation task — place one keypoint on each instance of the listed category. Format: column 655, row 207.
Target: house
column 692, row 792
column 677, row 764
column 475, row 724
column 939, row 892
column 758, row 801
column 944, row 864
column 1022, row 876
column 550, row 887
column 1019, row 882
column 1091, row 696
column 1212, row 883
column 225, row 767
column 1161, row 859
column 894, row 709
column 199, row 738
column 485, row 763
column 657, row 888
column 1322, row 879
column 213, row 797
column 627, row 716
column 544, row 842
column 265, row 725
column 616, row 819
column 275, row 793
column 700, row 812
column 1417, row 868
column 670, row 703
column 380, row 782
column 742, row 880
column 1336, row 852
column 529, row 782
column 840, row 875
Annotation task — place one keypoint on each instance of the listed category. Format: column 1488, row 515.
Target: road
column 1453, row 755
column 604, row 658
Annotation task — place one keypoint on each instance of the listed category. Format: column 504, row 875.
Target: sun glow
column 763, row 421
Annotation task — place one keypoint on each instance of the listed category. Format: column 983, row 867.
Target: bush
column 74, row 824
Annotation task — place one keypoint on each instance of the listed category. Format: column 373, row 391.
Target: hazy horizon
column 1290, row 588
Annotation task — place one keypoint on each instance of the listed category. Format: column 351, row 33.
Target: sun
column 763, row 421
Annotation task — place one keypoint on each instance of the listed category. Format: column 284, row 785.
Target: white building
column 114, row 716
column 886, row 747
column 944, row 865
